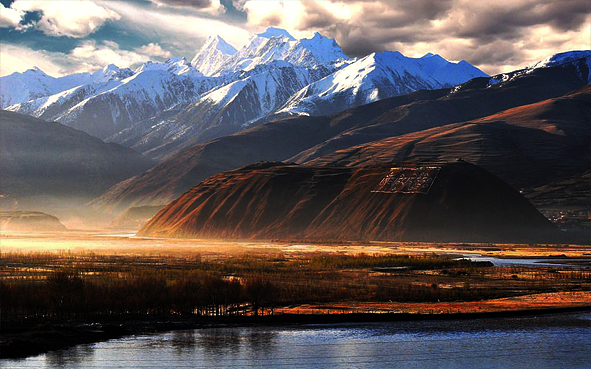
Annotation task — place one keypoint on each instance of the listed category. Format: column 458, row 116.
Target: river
column 545, row 341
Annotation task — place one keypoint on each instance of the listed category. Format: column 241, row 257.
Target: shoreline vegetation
column 54, row 300
column 20, row 343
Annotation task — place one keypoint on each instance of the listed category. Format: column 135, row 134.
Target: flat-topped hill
column 29, row 221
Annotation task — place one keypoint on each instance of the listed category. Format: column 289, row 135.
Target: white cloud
column 14, row 58
column 187, row 30
column 95, row 56
column 211, row 7
column 73, row 18
column 10, row 17
column 87, row 57
column 154, row 50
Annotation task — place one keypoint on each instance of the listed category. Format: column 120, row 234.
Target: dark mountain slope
column 463, row 203
column 42, row 158
column 477, row 98
column 528, row 145
column 573, row 192
column 271, row 141
column 306, row 138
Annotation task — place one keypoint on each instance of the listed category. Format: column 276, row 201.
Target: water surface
column 548, row 341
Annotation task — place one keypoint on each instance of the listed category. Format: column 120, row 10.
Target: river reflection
column 550, row 341
column 75, row 356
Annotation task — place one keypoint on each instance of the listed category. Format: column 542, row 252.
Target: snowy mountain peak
column 432, row 56
column 276, row 32
column 319, row 37
column 109, row 73
column 321, row 48
column 150, row 66
column 218, row 43
column 180, row 66
column 264, row 48
column 34, row 71
column 562, row 58
column 386, row 57
column 111, row 67
column 177, row 66
column 212, row 55
column 374, row 77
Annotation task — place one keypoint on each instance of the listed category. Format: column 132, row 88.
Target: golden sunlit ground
column 534, row 301
column 106, row 242
column 52, row 282
column 527, row 296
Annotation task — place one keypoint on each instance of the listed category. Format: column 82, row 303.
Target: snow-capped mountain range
column 161, row 107
column 375, row 77
column 560, row 59
column 34, row 83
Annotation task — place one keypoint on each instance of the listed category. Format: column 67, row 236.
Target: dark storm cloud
column 316, row 16
column 401, row 12
column 497, row 52
column 494, row 32
column 378, row 24
column 361, row 46
column 509, row 22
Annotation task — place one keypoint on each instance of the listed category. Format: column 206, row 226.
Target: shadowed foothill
column 275, row 200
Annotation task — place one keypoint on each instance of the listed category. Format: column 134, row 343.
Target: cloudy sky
column 68, row 36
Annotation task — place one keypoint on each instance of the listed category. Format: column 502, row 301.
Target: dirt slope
column 273, row 200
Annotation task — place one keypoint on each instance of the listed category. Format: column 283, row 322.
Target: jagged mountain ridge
column 221, row 111
column 305, row 138
column 272, row 45
column 237, row 104
column 214, row 53
column 34, row 83
column 165, row 102
column 486, row 96
column 105, row 108
column 376, row 77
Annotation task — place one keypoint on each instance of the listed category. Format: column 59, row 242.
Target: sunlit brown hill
column 307, row 138
column 527, row 145
column 276, row 200
column 48, row 159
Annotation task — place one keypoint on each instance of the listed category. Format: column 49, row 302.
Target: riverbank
column 45, row 277
column 506, row 305
column 18, row 343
